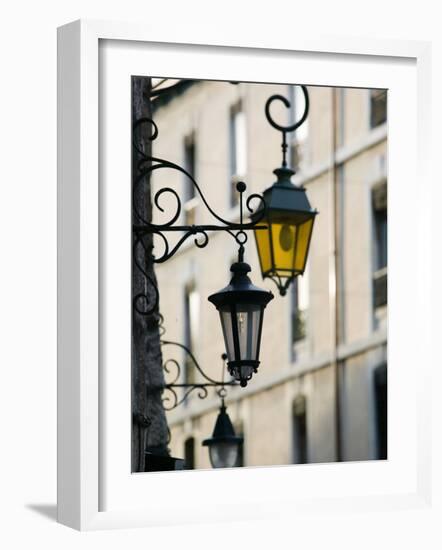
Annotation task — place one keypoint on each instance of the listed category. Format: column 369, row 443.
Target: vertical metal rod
column 241, row 188
column 241, row 254
column 284, row 147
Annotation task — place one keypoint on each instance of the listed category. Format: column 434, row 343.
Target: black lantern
column 224, row 445
column 241, row 307
column 284, row 247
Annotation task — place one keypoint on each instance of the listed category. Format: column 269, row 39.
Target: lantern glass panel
column 226, row 323
column 284, row 247
column 262, row 238
column 224, row 454
column 283, row 244
column 304, row 233
column 248, row 319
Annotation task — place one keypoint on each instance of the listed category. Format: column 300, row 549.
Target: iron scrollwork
column 172, row 399
column 173, row 387
column 146, row 165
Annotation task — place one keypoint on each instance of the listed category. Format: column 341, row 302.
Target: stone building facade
column 330, row 330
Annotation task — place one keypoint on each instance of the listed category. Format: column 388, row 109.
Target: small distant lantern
column 284, row 247
column 241, row 307
column 224, row 445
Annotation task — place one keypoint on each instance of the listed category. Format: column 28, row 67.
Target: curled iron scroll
column 296, row 124
column 144, row 303
column 172, row 396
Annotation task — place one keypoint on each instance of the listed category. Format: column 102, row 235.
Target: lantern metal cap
column 285, row 196
column 284, row 175
column 240, row 289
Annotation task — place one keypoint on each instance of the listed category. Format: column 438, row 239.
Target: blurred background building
column 320, row 394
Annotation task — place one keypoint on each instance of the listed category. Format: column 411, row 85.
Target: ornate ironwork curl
column 142, row 302
column 284, row 129
column 176, row 401
column 171, row 399
column 195, row 363
column 289, row 127
column 166, row 369
column 168, row 253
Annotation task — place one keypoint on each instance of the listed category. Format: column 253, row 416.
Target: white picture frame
column 82, row 416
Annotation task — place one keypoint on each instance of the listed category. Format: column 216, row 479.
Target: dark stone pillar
column 147, row 372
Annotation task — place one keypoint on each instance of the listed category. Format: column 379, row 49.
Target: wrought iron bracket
column 146, row 166
column 143, row 229
column 171, row 399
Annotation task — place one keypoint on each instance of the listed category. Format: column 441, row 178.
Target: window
column 238, row 149
column 189, row 188
column 379, row 205
column 191, row 326
column 300, row 301
column 190, row 163
column 378, row 107
column 300, row 444
column 298, row 146
column 380, row 396
column 189, row 453
column 239, row 431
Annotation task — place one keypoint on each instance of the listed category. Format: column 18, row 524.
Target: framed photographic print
column 233, row 268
